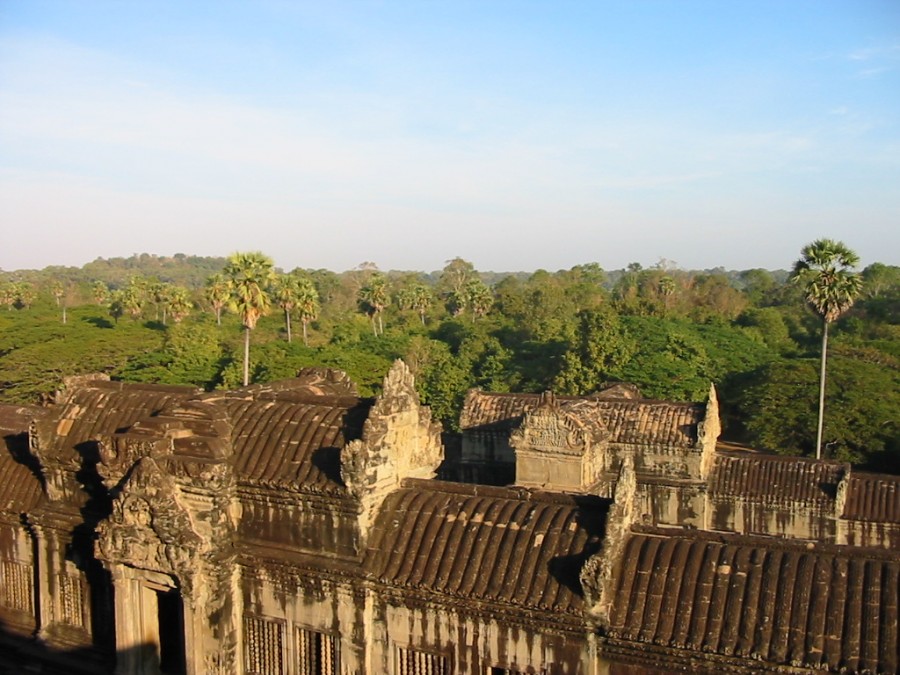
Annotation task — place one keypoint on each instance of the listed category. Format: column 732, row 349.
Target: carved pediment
column 148, row 528
column 547, row 428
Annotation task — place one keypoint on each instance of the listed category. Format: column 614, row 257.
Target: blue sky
column 517, row 135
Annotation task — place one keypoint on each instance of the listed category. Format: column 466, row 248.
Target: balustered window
column 263, row 646
column 71, row 599
column 414, row 662
column 317, row 653
column 17, row 587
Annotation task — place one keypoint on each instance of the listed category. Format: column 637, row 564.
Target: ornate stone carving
column 598, row 574
column 557, row 448
column 149, row 529
column 399, row 440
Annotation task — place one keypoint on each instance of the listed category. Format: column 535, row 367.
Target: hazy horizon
column 515, row 135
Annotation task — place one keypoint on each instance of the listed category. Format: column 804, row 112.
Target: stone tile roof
column 498, row 545
column 102, row 408
column 774, row 478
column 873, row 497
column 638, row 421
column 20, row 488
column 293, row 444
column 819, row 607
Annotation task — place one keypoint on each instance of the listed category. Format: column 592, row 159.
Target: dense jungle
column 184, row 320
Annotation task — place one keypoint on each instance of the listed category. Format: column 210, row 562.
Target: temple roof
column 775, row 478
column 500, row 545
column 629, row 420
column 812, row 606
column 873, row 497
column 292, row 444
column 20, row 488
column 100, row 408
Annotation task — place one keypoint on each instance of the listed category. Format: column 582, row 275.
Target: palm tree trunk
column 380, row 325
column 64, row 313
column 287, row 323
column 822, row 390
column 305, row 340
column 218, row 316
column 246, row 356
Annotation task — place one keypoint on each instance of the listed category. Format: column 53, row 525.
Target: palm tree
column 666, row 286
column 826, row 273
column 374, row 298
column 249, row 277
column 417, row 297
column 8, row 295
column 218, row 294
column 58, row 291
column 179, row 303
column 100, row 291
column 285, row 291
column 307, row 304
column 479, row 298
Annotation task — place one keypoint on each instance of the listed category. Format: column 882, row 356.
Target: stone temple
column 297, row 528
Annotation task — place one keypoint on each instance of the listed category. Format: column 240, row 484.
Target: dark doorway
column 171, row 632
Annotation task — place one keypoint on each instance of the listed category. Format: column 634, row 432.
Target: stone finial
column 598, row 575
column 708, row 431
column 399, row 440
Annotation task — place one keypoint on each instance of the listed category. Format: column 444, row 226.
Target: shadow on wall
column 21, row 655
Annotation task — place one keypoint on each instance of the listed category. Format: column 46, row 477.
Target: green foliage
column 677, row 360
column 191, row 354
column 38, row 351
column 862, row 403
column 669, row 331
column 601, row 349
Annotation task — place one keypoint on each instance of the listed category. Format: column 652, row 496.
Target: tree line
column 758, row 335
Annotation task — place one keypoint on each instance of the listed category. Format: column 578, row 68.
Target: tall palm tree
column 666, row 286
column 58, row 291
column 374, row 297
column 419, row 298
column 250, row 276
column 826, row 273
column 100, row 291
column 218, row 293
column 179, row 303
column 479, row 297
column 284, row 291
column 307, row 304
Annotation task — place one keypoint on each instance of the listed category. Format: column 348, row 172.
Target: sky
column 517, row 135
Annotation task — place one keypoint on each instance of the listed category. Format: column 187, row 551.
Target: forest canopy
column 671, row 332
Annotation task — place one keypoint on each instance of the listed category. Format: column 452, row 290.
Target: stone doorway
column 170, row 615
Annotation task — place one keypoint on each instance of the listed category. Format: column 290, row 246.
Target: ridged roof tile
column 774, row 478
column 485, row 544
column 781, row 604
column 873, row 497
column 20, row 488
column 103, row 408
column 291, row 444
column 635, row 421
